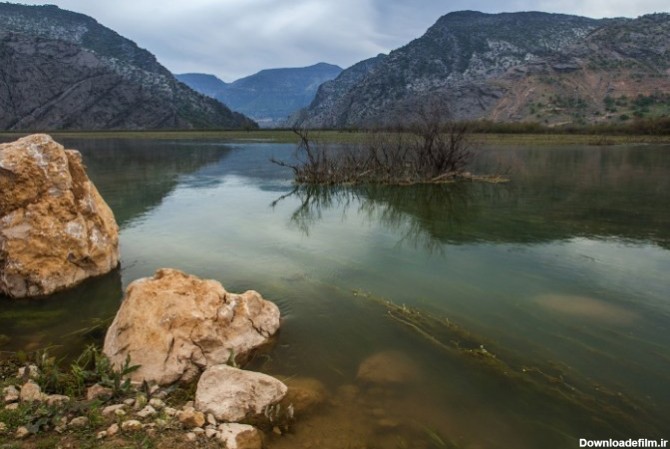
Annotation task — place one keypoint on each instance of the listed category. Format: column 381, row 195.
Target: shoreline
column 349, row 136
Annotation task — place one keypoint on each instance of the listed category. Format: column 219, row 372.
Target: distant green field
column 335, row 136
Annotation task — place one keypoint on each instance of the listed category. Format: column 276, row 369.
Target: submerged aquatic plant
column 615, row 411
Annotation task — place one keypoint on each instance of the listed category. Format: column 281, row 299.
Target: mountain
column 63, row 70
column 268, row 96
column 527, row 66
column 206, row 84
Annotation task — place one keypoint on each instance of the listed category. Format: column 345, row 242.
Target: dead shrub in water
column 426, row 147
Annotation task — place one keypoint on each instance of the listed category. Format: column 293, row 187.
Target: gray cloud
column 235, row 38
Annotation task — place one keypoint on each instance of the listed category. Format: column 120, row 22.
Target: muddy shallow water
column 557, row 285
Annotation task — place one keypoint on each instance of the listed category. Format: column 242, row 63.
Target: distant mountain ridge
column 528, row 66
column 269, row 96
column 63, row 70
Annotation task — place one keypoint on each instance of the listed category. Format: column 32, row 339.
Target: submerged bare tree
column 423, row 145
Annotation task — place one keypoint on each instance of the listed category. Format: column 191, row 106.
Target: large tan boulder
column 175, row 325
column 55, row 228
column 232, row 394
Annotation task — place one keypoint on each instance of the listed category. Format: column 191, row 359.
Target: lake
column 533, row 313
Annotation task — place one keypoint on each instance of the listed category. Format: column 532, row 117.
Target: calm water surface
column 562, row 274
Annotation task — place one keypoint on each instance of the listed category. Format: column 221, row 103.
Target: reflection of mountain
column 555, row 194
column 135, row 175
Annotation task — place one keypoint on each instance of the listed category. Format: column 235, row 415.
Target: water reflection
column 425, row 216
column 555, row 194
column 134, row 176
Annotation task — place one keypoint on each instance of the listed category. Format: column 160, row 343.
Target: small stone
column 169, row 411
column 79, row 422
column 100, row 435
column 191, row 437
column 132, row 425
column 211, row 419
column 111, row 409
column 147, row 412
column 151, row 431
column 21, row 433
column 210, row 433
column 240, row 436
column 129, row 402
column 30, row 392
column 112, row 430
column 11, row 394
column 198, row 430
column 32, row 370
column 153, row 389
column 12, row 406
column 3, row 428
column 156, row 403
column 189, row 417
column 276, row 430
column 56, row 399
column 97, row 391
column 120, row 412
column 189, row 404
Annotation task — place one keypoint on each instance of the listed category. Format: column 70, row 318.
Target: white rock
column 31, row 392
column 156, row 403
column 191, row 437
column 232, row 394
column 21, row 433
column 11, row 394
column 100, row 435
column 147, row 412
column 97, row 391
column 78, row 422
column 210, row 433
column 174, row 324
column 56, row 399
column 169, row 411
column 240, row 436
column 189, row 417
column 132, row 425
column 33, row 372
column 111, row 409
column 112, row 430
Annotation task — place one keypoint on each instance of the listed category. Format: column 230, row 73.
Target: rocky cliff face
column 269, row 96
column 513, row 66
column 62, row 70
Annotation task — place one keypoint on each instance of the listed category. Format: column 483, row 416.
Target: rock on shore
column 175, row 325
column 55, row 228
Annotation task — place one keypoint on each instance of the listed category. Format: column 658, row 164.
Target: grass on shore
column 350, row 136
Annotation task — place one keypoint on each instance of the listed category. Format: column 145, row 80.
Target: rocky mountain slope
column 531, row 66
column 268, row 96
column 63, row 70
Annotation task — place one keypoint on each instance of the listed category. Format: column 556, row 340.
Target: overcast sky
column 235, row 38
